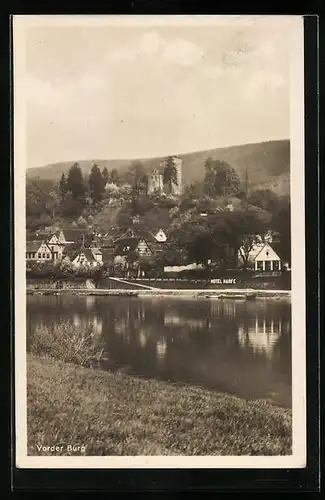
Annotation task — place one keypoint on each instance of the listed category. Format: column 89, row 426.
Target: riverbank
column 115, row 414
column 189, row 293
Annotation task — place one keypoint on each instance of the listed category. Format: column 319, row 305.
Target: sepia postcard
column 159, row 241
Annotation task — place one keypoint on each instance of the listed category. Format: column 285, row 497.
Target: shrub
column 66, row 343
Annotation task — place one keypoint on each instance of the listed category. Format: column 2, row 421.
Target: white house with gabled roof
column 268, row 259
column 160, row 236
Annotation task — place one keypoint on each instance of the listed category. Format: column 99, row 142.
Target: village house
column 52, row 240
column 268, row 258
column 160, row 236
column 79, row 256
column 151, row 237
column 126, row 246
column 38, row 251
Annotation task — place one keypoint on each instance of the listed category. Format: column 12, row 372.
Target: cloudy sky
column 140, row 91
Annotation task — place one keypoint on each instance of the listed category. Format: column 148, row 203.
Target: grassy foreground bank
column 115, row 414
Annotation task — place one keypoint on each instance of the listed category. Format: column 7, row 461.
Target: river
column 234, row 346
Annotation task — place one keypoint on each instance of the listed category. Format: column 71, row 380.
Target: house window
column 267, row 254
column 48, row 256
column 39, row 255
column 43, row 255
column 259, row 265
column 276, row 266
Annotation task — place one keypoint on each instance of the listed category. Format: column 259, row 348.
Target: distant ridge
column 268, row 164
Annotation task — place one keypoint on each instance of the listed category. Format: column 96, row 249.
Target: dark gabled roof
column 88, row 254
column 74, row 234
column 126, row 245
column 33, row 246
column 143, row 234
column 42, row 236
column 129, row 233
column 72, row 249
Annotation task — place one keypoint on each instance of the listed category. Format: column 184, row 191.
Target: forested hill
column 268, row 164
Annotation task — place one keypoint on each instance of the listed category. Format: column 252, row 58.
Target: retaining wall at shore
column 58, row 284
column 220, row 293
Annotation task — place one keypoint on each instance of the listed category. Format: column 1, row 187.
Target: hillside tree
column 96, row 185
column 137, row 178
column 264, row 198
column 246, row 230
column 170, row 173
column 105, row 175
column 220, row 179
column 114, row 177
column 63, row 187
column 75, row 183
column 75, row 199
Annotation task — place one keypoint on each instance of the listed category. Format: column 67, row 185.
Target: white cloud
column 41, row 93
column 152, row 45
column 182, row 52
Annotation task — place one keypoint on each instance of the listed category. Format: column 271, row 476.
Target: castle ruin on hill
column 156, row 178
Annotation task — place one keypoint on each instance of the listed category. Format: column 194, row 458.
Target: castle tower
column 155, row 182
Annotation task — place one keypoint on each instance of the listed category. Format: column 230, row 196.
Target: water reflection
column 262, row 336
column 234, row 346
column 93, row 322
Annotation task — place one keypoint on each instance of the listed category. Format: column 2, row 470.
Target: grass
column 115, row 414
column 66, row 343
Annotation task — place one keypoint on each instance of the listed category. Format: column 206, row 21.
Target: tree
column 247, row 230
column 96, row 185
column 194, row 190
column 209, row 177
column 53, row 202
column 75, row 183
column 170, row 173
column 264, row 198
column 42, row 199
column 105, row 175
column 63, row 186
column 220, row 179
column 72, row 207
column 137, row 178
column 114, row 176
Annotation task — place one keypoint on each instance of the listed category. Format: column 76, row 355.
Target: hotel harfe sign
column 223, row 281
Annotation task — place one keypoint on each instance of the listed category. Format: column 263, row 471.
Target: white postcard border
column 298, row 457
